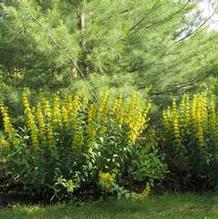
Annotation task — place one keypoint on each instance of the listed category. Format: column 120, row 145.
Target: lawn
column 156, row 207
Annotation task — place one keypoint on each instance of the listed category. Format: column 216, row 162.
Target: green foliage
column 174, row 206
column 190, row 137
column 45, row 44
column 64, row 143
column 147, row 165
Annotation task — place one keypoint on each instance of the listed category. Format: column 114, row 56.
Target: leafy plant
column 190, row 137
column 67, row 140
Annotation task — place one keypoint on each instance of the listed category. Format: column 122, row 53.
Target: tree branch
column 61, row 49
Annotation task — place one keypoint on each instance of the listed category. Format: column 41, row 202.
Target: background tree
column 157, row 43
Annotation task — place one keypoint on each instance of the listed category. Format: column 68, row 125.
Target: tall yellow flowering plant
column 190, row 134
column 72, row 138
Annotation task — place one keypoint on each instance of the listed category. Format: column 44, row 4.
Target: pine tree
column 156, row 43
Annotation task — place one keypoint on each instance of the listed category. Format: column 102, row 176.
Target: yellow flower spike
column 145, row 193
column 182, row 113
column 42, row 98
column 68, row 103
column 40, row 119
column 136, row 125
column 91, row 132
column 145, row 111
column 194, row 108
column 103, row 100
column 204, row 109
column 106, row 178
column 102, row 107
column 194, row 117
column 56, row 113
column 174, row 107
column 64, row 115
column 166, row 120
column 46, row 108
column 8, row 128
column 102, row 129
column 122, row 112
column 200, row 117
column 103, row 112
column 187, row 113
column 30, row 122
column 117, row 104
column 48, row 112
column 85, row 101
column 176, row 130
column 91, row 114
column 78, row 139
column 5, row 145
column 74, row 108
column 50, row 134
column 133, row 104
column 120, row 115
column 213, row 117
column 173, row 117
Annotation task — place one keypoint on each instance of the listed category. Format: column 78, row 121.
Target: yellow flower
column 145, row 193
column 8, row 128
column 64, row 114
column 50, row 134
column 56, row 113
column 73, row 109
column 131, row 108
column 199, row 116
column 91, row 123
column 91, row 132
column 45, row 107
column 4, row 144
column 30, row 121
column 120, row 115
column 166, row 120
column 136, row 125
column 102, row 102
column 106, row 178
column 213, row 117
column 41, row 122
column 78, row 139
column 187, row 115
column 117, row 104
column 190, row 117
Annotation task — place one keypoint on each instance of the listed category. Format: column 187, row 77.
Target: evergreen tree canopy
column 156, row 43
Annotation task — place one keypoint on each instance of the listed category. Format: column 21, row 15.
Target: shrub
column 190, row 140
column 67, row 141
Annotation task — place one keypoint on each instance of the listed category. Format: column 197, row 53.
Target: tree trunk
column 81, row 25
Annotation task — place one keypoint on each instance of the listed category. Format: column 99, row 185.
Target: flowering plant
column 72, row 137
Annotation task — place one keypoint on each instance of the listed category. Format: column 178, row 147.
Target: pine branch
column 50, row 37
column 197, row 29
column 179, row 87
column 170, row 17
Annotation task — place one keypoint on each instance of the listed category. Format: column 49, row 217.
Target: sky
column 207, row 10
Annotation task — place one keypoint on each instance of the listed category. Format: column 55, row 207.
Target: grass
column 157, row 207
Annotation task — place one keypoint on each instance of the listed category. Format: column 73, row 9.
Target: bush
column 190, row 141
column 67, row 141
